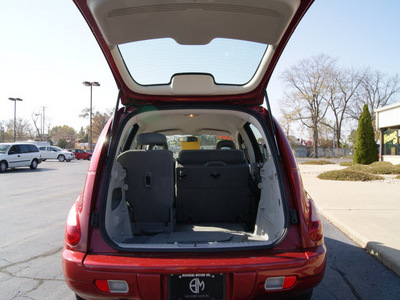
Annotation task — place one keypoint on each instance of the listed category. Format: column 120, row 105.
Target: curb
column 377, row 250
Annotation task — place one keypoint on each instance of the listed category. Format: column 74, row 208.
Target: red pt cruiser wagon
column 193, row 191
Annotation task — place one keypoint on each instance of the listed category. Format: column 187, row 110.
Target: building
column 388, row 124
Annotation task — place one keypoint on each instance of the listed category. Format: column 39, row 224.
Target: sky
column 47, row 51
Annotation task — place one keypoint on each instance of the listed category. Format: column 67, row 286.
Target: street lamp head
column 94, row 83
column 15, row 99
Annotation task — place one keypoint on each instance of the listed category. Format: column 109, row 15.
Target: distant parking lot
column 34, row 207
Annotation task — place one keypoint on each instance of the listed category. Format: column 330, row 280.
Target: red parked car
column 81, row 154
column 157, row 222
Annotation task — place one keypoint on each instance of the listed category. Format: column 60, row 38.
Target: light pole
column 91, row 84
column 15, row 113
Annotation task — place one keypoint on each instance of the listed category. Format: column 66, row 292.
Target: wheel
column 34, row 164
column 61, row 158
column 3, row 166
column 68, row 160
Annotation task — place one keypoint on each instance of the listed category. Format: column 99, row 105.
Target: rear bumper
column 147, row 277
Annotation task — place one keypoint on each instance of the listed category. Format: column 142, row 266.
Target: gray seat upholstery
column 152, row 139
column 226, row 144
column 150, row 181
column 212, row 186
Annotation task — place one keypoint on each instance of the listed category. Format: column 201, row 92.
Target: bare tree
column 35, row 118
column 23, row 129
column 342, row 92
column 287, row 119
column 309, row 83
column 376, row 90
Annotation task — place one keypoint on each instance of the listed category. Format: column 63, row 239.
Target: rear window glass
column 229, row 61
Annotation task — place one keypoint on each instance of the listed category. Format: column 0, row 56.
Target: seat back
column 150, row 181
column 212, row 186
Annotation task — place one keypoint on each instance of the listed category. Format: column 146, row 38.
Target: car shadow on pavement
column 351, row 273
column 27, row 170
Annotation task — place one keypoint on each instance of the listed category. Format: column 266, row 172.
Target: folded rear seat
column 150, row 181
column 212, row 186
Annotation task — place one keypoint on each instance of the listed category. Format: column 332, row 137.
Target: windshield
column 228, row 61
column 3, row 148
column 194, row 142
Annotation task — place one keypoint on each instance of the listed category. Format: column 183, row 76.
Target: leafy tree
column 366, row 151
column 352, row 137
column 62, row 143
column 65, row 132
column 99, row 120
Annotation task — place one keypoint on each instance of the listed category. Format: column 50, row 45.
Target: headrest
column 188, row 157
column 152, row 139
column 226, row 144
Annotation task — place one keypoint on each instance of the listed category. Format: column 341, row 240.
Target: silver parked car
column 54, row 152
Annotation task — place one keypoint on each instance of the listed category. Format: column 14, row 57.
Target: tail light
column 315, row 230
column 73, row 228
column 279, row 283
column 112, row 286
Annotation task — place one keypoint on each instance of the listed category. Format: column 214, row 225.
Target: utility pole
column 43, row 118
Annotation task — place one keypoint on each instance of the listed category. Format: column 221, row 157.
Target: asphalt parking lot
column 34, row 207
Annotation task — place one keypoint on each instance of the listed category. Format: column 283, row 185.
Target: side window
column 33, row 148
column 13, row 150
column 258, row 143
column 23, row 148
column 42, row 148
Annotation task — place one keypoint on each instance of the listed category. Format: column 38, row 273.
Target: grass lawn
column 358, row 172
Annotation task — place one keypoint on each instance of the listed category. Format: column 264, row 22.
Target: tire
column 68, row 160
column 89, row 158
column 43, row 159
column 34, row 164
column 3, row 166
column 61, row 158
column 78, row 297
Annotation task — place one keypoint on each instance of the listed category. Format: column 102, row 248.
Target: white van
column 14, row 155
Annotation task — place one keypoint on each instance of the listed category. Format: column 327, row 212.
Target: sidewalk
column 368, row 212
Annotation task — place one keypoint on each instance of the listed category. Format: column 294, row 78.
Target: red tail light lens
column 315, row 224
column 73, row 228
column 279, row 283
column 112, row 286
